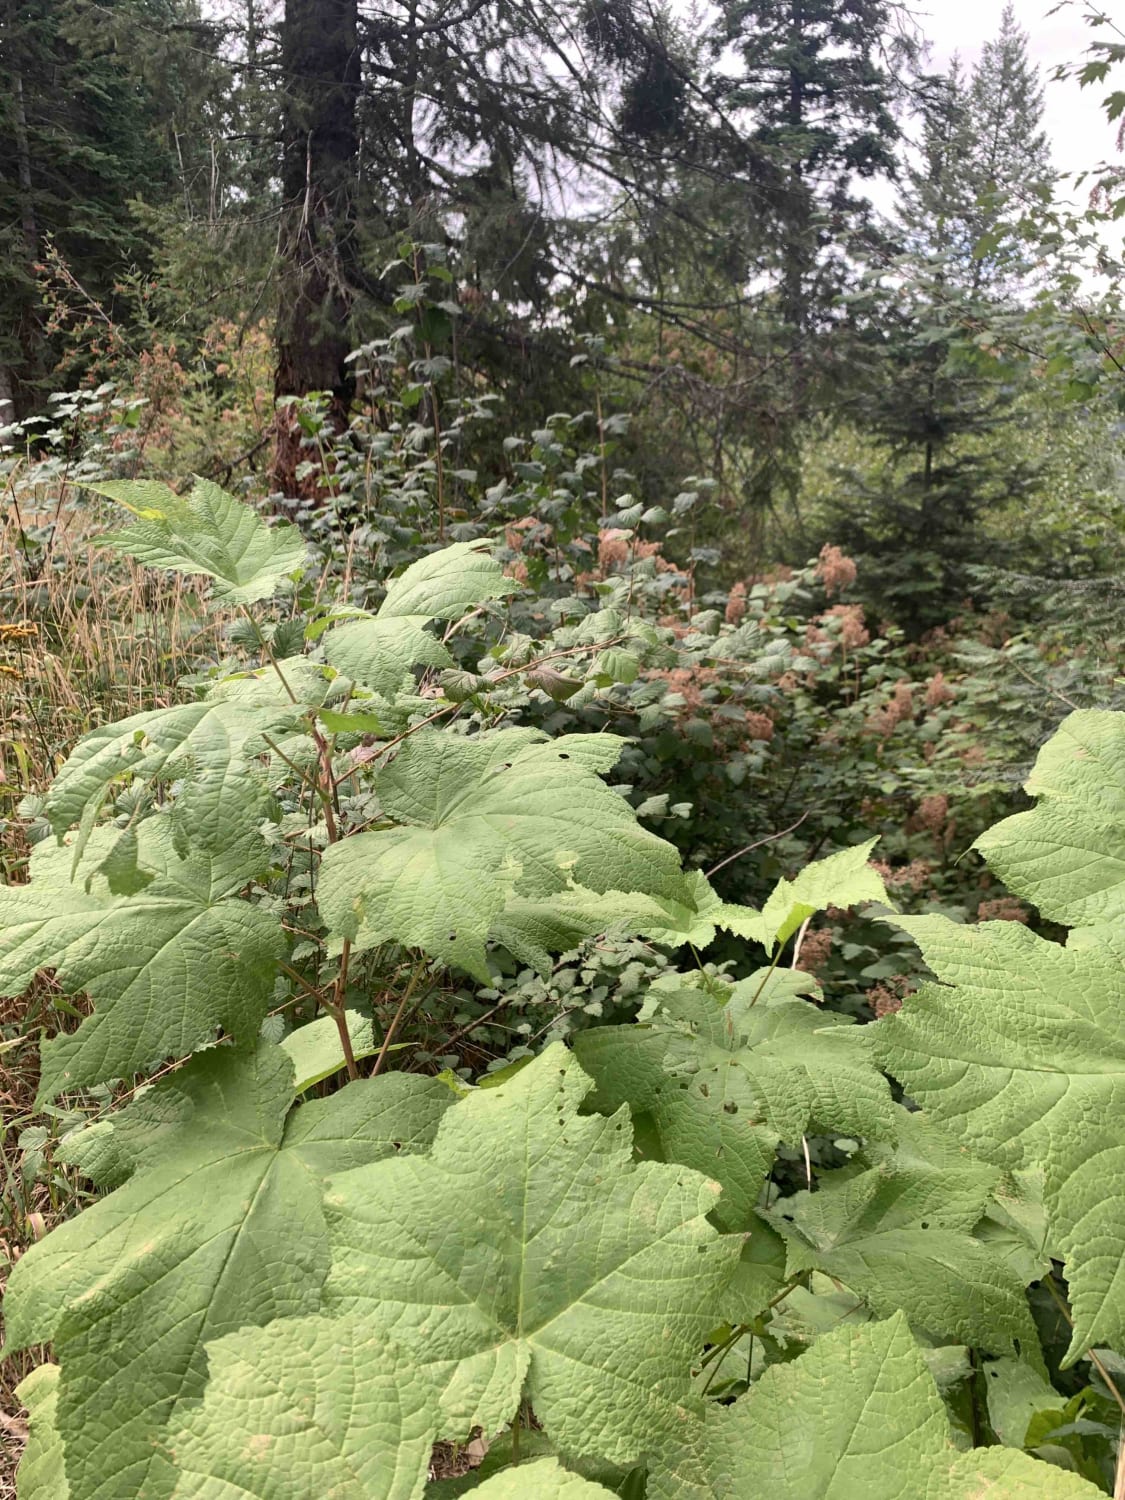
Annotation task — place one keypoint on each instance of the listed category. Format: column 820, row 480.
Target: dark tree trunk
column 321, row 63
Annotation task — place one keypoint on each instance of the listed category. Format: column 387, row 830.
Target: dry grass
column 96, row 639
column 102, row 639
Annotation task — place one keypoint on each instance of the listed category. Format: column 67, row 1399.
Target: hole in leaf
column 563, row 755
column 925, row 1224
column 730, row 1108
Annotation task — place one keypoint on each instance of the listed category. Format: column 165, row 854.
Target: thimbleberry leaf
column 572, row 1276
column 210, row 533
column 165, row 968
column 725, row 1079
column 378, row 650
column 857, row 1415
column 481, row 819
column 219, row 1226
column 900, row 1237
column 1067, row 854
column 306, row 1407
column 1019, row 1051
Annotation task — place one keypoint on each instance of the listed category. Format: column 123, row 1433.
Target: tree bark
column 321, row 67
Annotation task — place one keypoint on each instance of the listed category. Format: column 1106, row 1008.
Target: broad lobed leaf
column 724, row 1080
column 220, row 1226
column 42, row 1475
column 858, row 1415
column 306, row 1407
column 210, row 533
column 842, row 879
column 1020, row 1051
column 484, row 818
column 378, row 651
column 900, row 1236
column 574, row 1276
column 1067, row 855
column 214, row 742
column 165, row 968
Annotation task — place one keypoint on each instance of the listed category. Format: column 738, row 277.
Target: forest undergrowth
column 525, row 832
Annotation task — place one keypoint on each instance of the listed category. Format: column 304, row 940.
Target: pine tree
column 813, row 96
column 1008, row 168
column 83, row 129
column 945, row 394
column 816, row 99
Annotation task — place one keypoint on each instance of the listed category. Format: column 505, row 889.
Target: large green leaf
column 533, row 928
column 1020, row 1051
column 725, row 1080
column 499, row 814
column 212, row 742
column 41, row 1475
column 858, row 1417
column 379, row 653
column 443, row 585
column 209, row 533
column 1004, row 1474
column 1016, row 1393
column 165, row 967
column 306, row 1408
column 900, row 1236
column 219, row 1227
column 378, row 650
column 527, row 1254
column 316, row 1051
column 1067, row 855
column 841, row 879
column 544, row 1479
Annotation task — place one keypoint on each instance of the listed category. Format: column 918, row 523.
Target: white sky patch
column 1080, row 135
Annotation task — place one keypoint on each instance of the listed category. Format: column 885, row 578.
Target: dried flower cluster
column 914, row 877
column 885, row 999
column 933, row 813
column 853, row 627
column 1003, row 909
column 938, row 691
column 815, row 948
column 736, row 605
column 613, row 549
column 836, row 571
column 759, row 726
column 884, row 721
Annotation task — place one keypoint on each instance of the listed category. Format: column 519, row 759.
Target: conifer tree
column 816, row 97
column 807, row 82
column 945, row 390
column 81, row 136
column 1007, row 169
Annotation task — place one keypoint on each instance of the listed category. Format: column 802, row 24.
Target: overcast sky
column 1080, row 136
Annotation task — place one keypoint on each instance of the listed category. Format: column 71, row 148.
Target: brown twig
column 393, row 1027
column 757, row 844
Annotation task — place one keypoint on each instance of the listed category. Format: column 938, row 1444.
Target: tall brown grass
column 85, row 637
